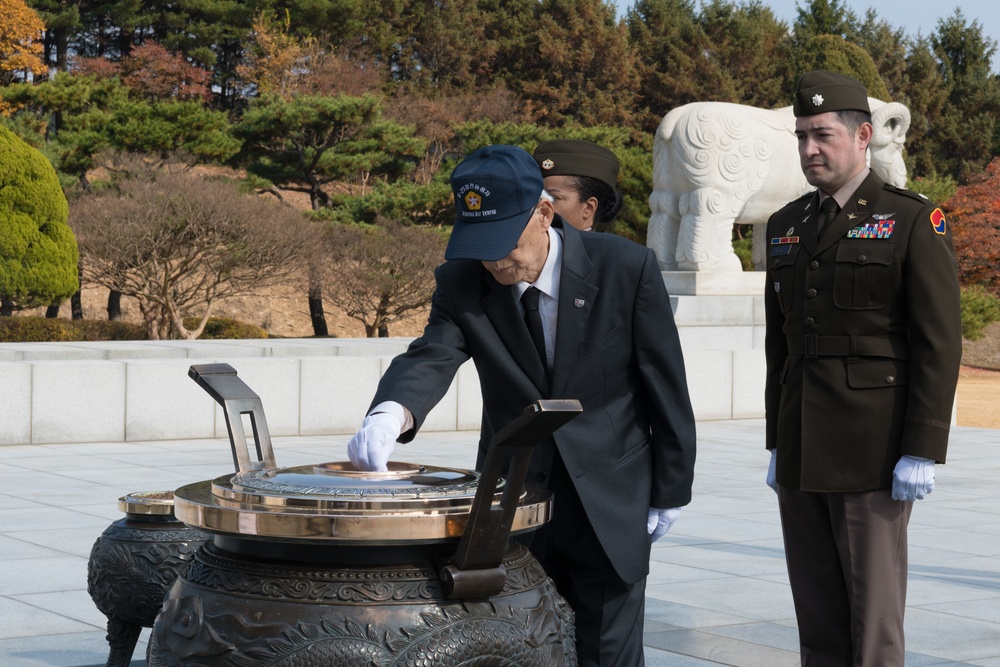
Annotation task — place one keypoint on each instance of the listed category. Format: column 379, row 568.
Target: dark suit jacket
column 617, row 352
column 864, row 338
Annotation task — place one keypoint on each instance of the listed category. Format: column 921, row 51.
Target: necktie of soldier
column 827, row 212
column 533, row 320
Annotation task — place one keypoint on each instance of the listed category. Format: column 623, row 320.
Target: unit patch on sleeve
column 938, row 221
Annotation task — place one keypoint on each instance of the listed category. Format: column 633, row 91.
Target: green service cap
column 821, row 91
column 572, row 157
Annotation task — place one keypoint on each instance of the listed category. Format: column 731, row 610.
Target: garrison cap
column 821, row 91
column 571, row 157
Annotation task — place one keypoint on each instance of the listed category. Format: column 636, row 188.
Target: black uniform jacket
column 617, row 352
column 863, row 338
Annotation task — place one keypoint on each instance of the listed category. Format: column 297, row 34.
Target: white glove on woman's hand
column 371, row 446
column 913, row 478
column 659, row 521
column 772, row 478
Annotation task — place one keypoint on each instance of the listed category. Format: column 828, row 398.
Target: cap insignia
column 817, row 100
column 547, row 164
column 473, row 201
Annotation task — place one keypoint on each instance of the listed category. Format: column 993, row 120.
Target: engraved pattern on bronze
column 487, row 634
column 131, row 566
column 213, row 569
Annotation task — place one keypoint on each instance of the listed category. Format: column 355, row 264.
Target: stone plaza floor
column 717, row 592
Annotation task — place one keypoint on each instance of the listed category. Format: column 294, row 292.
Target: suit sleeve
column 930, row 281
column 420, row 377
column 661, row 366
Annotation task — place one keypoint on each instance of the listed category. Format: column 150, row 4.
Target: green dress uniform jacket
column 863, row 339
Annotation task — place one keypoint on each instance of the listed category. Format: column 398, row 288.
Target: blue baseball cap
column 496, row 189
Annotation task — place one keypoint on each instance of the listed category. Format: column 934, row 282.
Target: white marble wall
column 140, row 390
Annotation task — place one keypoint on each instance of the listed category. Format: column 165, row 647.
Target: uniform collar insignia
column 851, row 216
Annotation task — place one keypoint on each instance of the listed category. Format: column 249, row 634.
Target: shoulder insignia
column 938, row 221
column 907, row 193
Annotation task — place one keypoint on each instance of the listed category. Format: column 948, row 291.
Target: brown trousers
column 847, row 558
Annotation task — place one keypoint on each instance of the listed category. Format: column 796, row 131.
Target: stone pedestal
column 720, row 320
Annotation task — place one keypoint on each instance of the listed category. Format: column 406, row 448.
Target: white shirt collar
column 548, row 280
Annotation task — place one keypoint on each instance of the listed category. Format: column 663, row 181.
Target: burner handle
column 237, row 399
column 477, row 568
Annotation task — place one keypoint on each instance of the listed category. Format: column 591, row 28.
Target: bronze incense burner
column 134, row 562
column 324, row 565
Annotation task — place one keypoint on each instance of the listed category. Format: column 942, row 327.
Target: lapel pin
column 863, row 202
column 579, row 303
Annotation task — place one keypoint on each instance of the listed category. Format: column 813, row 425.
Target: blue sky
column 911, row 15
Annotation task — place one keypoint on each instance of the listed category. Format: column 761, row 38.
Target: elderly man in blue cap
column 545, row 311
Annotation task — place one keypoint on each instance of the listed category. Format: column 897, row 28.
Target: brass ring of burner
column 154, row 503
column 197, row 506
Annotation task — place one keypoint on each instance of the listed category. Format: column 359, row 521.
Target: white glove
column 772, row 478
column 371, row 446
column 913, row 478
column 659, row 521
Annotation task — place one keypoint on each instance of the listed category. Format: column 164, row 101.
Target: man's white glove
column 371, row 446
column 913, row 478
column 659, row 521
column 772, row 477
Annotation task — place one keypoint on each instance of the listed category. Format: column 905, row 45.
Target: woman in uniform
column 582, row 178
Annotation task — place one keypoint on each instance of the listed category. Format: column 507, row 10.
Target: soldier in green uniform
column 582, row 178
column 863, row 346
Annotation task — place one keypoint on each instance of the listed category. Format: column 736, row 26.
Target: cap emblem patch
column 473, row 201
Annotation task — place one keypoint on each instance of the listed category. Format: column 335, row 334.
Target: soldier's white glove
column 659, row 521
column 772, row 477
column 371, row 446
column 913, row 478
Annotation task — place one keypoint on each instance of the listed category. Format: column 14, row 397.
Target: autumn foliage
column 154, row 73
column 20, row 42
column 974, row 213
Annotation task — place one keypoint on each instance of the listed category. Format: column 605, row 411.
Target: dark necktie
column 827, row 212
column 533, row 320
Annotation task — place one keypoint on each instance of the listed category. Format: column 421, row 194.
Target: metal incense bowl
column 323, row 564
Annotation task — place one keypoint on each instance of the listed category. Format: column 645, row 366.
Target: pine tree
column 38, row 252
